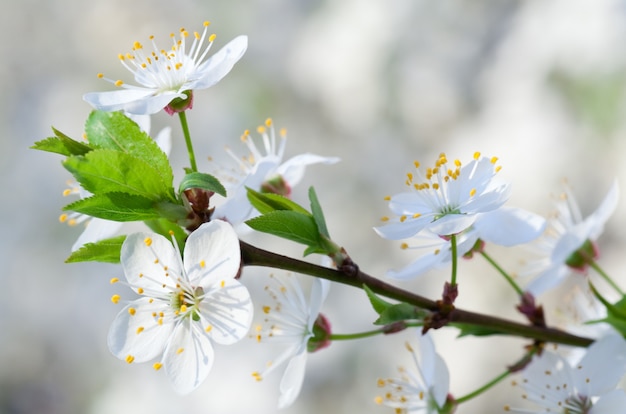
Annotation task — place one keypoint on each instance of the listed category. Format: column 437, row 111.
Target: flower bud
column 321, row 334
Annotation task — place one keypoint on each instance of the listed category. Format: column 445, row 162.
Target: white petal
column 292, row 380
column 409, row 203
column 399, row 230
column 188, row 357
column 422, row 264
column 164, row 140
column 293, row 169
column 604, row 211
column 509, row 226
column 139, row 335
column 611, row 403
column 150, row 267
column 227, row 310
column 319, row 291
column 97, row 229
column 138, row 101
column 603, row 366
column 218, row 65
column 548, row 279
column 452, row 224
column 212, row 254
column 433, row 369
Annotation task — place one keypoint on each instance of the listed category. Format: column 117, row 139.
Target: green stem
column 192, row 157
column 522, row 362
column 254, row 256
column 374, row 332
column 455, row 259
column 483, row 388
column 605, row 276
column 503, row 273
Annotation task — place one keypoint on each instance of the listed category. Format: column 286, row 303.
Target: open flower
column 262, row 171
column 292, row 321
column 569, row 242
column 425, row 391
column 445, row 199
column 506, row 226
column 587, row 387
column 169, row 75
column 97, row 229
column 184, row 305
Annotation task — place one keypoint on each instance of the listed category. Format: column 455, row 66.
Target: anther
column 130, row 359
column 114, row 280
column 115, row 298
column 157, row 366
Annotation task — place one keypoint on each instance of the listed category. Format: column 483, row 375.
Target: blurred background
column 540, row 84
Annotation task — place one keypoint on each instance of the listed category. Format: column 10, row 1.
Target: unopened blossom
column 506, row 226
column 170, row 74
column 423, row 390
column 97, row 229
column 587, row 387
column 445, row 199
column 184, row 305
column 569, row 242
column 291, row 321
column 263, row 170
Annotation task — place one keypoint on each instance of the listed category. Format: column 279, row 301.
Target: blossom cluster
column 188, row 273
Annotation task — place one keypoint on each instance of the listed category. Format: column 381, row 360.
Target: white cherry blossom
column 168, row 74
column 184, row 305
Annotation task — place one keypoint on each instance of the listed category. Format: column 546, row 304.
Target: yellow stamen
column 114, row 280
column 148, row 241
column 140, row 330
column 119, row 83
column 132, row 311
column 130, row 359
column 115, row 298
column 212, row 37
column 157, row 366
column 180, row 351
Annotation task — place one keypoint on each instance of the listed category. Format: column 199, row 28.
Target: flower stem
column 503, row 273
column 365, row 334
column 254, row 256
column 455, row 259
column 192, row 157
column 605, row 276
column 484, row 388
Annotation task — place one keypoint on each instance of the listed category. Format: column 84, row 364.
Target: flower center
column 185, row 303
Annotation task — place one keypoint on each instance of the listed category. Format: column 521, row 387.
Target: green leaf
column 379, row 304
column 203, row 181
column 400, row 312
column 107, row 251
column 318, row 214
column 163, row 227
column 616, row 313
column 291, row 225
column 109, row 171
column 62, row 144
column 268, row 202
column 115, row 131
column 116, row 207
